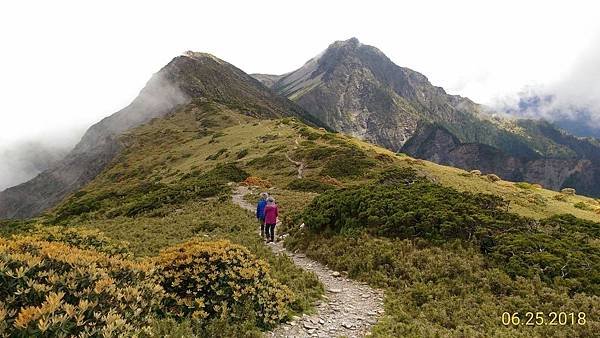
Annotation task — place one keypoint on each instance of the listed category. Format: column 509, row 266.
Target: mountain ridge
column 356, row 89
column 191, row 75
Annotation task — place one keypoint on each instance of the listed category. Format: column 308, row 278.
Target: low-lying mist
column 22, row 160
column 573, row 102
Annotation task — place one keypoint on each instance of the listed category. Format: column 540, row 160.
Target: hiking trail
column 348, row 308
column 299, row 164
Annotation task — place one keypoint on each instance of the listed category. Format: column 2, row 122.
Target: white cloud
column 66, row 64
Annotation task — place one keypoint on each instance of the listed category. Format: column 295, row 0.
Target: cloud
column 574, row 98
column 22, row 160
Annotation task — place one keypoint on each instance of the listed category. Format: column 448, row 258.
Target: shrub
column 227, row 172
column 583, row 206
column 253, row 181
column 384, row 158
column 524, row 185
column 87, row 239
column 559, row 250
column 349, row 162
column 145, row 197
column 420, row 209
column 398, row 175
column 331, row 181
column 561, row 197
column 215, row 136
column 217, row 154
column 50, row 288
column 207, row 280
column 272, row 161
column 309, row 134
column 305, row 184
column 277, row 149
column 241, row 154
column 316, row 152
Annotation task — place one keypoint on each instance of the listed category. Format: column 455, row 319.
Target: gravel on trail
column 348, row 308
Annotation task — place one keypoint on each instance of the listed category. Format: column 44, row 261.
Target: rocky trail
column 348, row 308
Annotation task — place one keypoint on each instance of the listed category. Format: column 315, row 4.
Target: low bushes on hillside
column 145, row 197
column 310, row 185
column 559, row 250
column 214, row 279
column 347, row 162
column 87, row 239
column 404, row 210
column 50, row 288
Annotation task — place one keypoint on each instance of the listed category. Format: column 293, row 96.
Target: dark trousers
column 270, row 231
column 262, row 227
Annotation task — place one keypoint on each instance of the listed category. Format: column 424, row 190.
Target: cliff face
column 356, row 89
column 437, row 144
column 193, row 75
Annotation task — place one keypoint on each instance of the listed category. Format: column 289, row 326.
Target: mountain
column 384, row 218
column 356, row 89
column 163, row 233
column 187, row 77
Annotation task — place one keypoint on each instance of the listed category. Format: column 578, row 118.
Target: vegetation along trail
column 349, row 309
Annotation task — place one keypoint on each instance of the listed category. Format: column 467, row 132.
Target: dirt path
column 299, row 164
column 348, row 309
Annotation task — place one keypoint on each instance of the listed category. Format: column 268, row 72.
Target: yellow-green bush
column 207, row 280
column 50, row 289
column 82, row 238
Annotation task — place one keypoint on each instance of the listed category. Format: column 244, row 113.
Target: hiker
column 270, row 219
column 260, row 212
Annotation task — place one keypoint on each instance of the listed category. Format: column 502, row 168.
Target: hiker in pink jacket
column 270, row 219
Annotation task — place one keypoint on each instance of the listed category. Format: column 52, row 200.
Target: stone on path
column 343, row 308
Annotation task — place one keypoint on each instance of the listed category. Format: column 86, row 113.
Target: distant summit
column 354, row 88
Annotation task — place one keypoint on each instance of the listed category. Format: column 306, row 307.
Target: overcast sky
column 66, row 64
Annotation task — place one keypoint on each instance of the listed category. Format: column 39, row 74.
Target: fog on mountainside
column 572, row 103
column 23, row 160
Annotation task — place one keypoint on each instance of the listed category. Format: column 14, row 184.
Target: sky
column 66, row 64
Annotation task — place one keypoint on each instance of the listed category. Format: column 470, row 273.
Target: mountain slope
column 172, row 182
column 356, row 89
column 193, row 75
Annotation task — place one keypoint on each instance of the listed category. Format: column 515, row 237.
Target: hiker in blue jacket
column 260, row 212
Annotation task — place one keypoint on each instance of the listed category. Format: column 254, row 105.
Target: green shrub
column 446, row 290
column 309, row 185
column 86, row 239
column 559, row 250
column 146, row 197
column 216, row 155
column 583, row 206
column 398, row 175
column 310, row 135
column 241, row 154
column 421, row 209
column 271, row 161
column 524, row 185
column 348, row 162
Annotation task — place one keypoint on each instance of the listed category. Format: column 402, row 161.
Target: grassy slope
column 202, row 135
